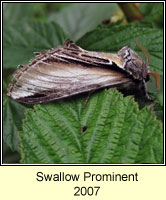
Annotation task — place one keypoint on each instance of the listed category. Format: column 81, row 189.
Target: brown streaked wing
column 46, row 82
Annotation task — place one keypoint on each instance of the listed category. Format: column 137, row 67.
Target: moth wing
column 46, row 82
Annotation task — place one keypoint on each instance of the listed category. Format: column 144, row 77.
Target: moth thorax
column 133, row 63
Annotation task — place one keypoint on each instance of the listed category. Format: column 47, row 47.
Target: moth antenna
column 153, row 74
column 157, row 78
column 144, row 51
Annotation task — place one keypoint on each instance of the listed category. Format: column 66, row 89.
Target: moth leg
column 87, row 98
column 146, row 91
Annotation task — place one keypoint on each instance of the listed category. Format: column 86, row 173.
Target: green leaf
column 78, row 18
column 111, row 129
column 113, row 39
column 153, row 12
column 14, row 12
column 10, row 156
column 13, row 114
column 158, row 93
column 158, row 109
column 20, row 41
column 4, row 86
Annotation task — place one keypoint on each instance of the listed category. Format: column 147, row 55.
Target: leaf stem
column 131, row 12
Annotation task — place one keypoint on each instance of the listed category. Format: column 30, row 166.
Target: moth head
column 133, row 63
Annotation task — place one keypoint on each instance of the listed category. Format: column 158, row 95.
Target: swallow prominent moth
column 69, row 70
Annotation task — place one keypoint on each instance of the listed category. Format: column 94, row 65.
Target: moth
column 69, row 70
